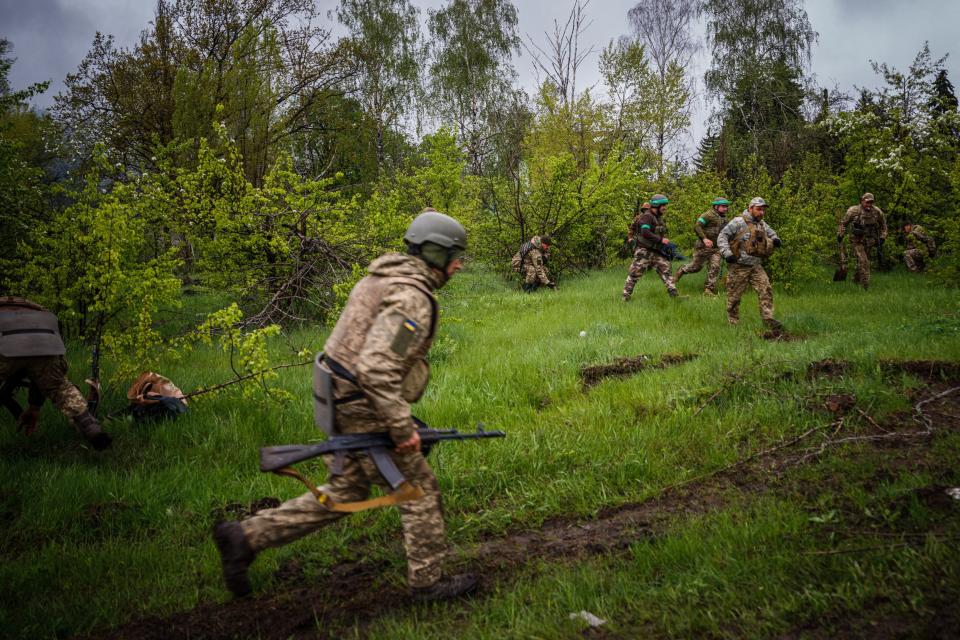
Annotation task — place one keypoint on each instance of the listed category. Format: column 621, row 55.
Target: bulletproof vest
column 715, row 223
column 27, row 330
column 659, row 228
column 350, row 332
column 866, row 222
column 752, row 240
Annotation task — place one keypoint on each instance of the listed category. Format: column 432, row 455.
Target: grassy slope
column 90, row 541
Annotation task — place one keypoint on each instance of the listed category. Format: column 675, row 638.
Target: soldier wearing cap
column 376, row 357
column 650, row 232
column 919, row 247
column 744, row 243
column 707, row 227
column 868, row 228
column 32, row 352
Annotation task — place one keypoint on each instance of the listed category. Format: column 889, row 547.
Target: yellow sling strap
column 404, row 493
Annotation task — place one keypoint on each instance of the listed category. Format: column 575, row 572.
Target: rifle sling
column 404, row 493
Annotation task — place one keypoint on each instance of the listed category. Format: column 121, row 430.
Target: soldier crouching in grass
column 744, row 243
column 32, row 351
column 376, row 355
column 919, row 247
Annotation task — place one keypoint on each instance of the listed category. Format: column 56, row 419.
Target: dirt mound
column 626, row 367
column 929, row 370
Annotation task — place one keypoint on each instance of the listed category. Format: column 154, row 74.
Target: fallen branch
column 223, row 385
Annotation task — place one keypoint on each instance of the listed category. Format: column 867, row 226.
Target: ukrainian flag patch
column 404, row 336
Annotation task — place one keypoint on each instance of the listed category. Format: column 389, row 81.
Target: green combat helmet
column 436, row 237
column 720, row 201
column 659, row 199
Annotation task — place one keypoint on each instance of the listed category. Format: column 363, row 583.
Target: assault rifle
column 671, row 251
column 377, row 446
column 275, row 458
column 881, row 260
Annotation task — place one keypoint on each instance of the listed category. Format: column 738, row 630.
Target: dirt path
column 357, row 593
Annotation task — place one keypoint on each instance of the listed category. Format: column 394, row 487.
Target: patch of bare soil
column 355, row 594
column 780, row 335
column 626, row 367
column 929, row 370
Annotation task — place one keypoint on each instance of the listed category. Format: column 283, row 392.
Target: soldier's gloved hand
column 552, row 285
column 777, row 243
column 731, row 259
column 410, row 445
column 27, row 422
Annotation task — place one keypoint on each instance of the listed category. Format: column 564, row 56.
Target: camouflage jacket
column 918, row 240
column 384, row 333
column 864, row 225
column 532, row 257
column 740, row 224
column 708, row 226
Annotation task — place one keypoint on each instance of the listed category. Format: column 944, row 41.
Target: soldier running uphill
column 919, row 247
column 744, row 243
column 707, row 227
column 650, row 232
column 376, row 356
column 868, row 228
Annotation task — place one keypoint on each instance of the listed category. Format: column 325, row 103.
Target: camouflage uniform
column 919, row 247
column 532, row 264
column 747, row 271
column 45, row 366
column 381, row 354
column 707, row 227
column 648, row 229
column 866, row 227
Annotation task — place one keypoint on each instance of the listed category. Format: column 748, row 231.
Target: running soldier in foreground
column 32, row 352
column 744, row 243
column 919, row 247
column 650, row 232
column 376, row 357
column 707, row 228
column 868, row 228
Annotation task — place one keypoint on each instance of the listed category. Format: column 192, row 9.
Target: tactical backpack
column 757, row 245
column 154, row 397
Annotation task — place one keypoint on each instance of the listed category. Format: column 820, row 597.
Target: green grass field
column 777, row 546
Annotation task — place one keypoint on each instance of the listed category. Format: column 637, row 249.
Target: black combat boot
column 90, row 429
column 235, row 556
column 447, row 587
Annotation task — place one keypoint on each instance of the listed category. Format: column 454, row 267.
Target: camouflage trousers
column 423, row 531
column 914, row 259
column 861, row 253
column 739, row 277
column 49, row 375
column 644, row 260
column 702, row 255
column 534, row 276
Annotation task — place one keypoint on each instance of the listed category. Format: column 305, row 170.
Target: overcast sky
column 50, row 37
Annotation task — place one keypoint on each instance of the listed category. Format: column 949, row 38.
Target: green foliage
column 92, row 265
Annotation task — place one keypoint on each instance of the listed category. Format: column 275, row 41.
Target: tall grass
column 92, row 540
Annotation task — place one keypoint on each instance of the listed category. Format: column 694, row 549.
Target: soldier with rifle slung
column 650, row 232
column 373, row 367
column 868, row 228
column 32, row 354
column 707, row 228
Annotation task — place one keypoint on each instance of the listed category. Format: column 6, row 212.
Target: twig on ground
column 218, row 387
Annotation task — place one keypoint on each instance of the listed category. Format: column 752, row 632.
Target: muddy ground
column 357, row 593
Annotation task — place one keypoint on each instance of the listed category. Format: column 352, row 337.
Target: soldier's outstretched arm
column 401, row 326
